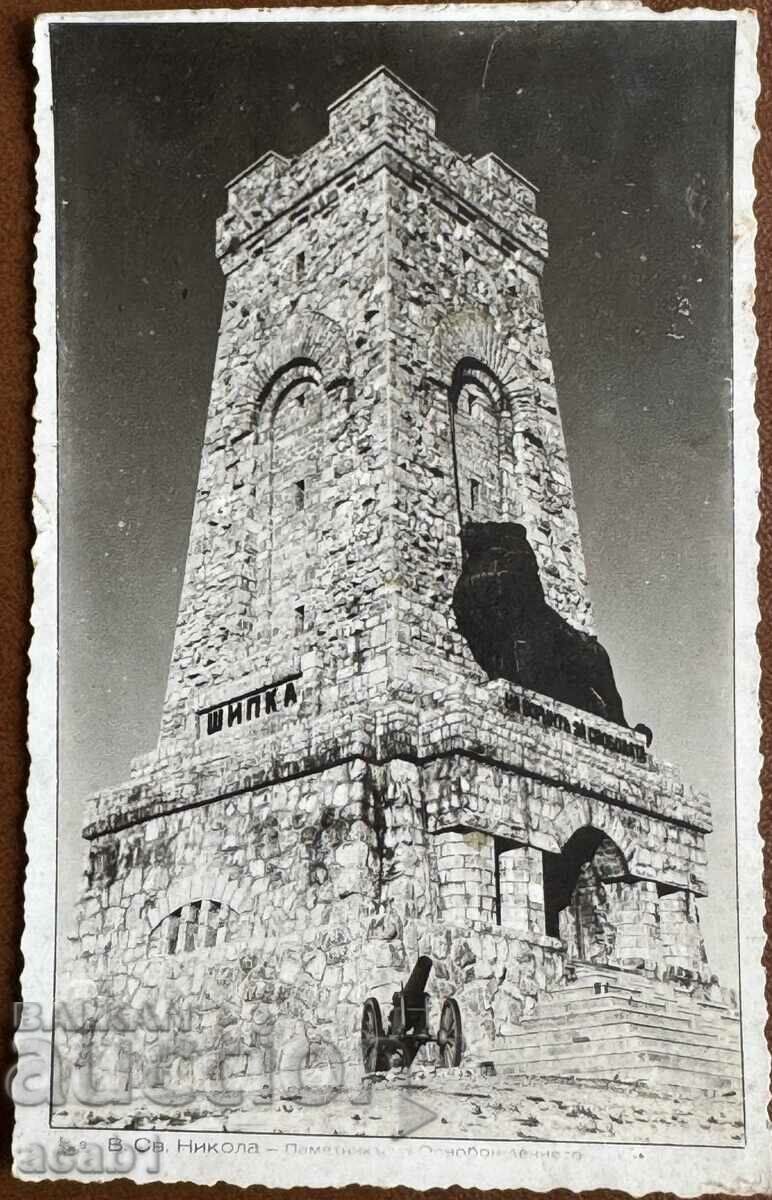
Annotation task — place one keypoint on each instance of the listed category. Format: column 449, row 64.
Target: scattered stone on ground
column 430, row 1103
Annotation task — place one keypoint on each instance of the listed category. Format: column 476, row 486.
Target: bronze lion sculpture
column 513, row 632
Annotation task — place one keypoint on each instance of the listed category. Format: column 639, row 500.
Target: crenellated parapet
column 379, row 124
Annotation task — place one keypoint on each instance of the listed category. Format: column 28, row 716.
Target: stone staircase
column 613, row 1024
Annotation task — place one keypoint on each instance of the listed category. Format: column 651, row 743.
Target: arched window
column 296, row 428
column 198, row 925
column 481, row 433
column 292, row 418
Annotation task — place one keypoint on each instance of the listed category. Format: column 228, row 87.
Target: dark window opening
column 300, row 619
column 174, row 928
column 192, row 926
column 498, row 846
column 474, row 493
column 300, row 495
column 588, row 847
column 300, row 265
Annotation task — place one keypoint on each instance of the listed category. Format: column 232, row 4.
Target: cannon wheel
column 372, row 1035
column 449, row 1036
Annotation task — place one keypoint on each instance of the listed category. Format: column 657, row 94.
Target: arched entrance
column 584, row 889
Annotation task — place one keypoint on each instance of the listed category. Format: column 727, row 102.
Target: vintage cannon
column 407, row 1028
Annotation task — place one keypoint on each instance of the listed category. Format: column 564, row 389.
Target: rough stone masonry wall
column 488, row 765
column 335, row 884
column 488, row 884
column 378, row 253
column 328, row 890
column 678, row 930
column 244, row 515
column 464, row 793
column 374, row 114
column 462, row 288
column 298, row 867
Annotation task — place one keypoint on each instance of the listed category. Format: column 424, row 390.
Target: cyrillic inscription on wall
column 550, row 719
column 248, row 707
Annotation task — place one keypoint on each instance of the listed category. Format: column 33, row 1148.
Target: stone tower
column 342, row 781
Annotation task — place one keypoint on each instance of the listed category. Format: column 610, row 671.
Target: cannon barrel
column 415, row 987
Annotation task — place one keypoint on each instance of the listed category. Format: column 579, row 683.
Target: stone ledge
column 671, row 844
column 237, row 235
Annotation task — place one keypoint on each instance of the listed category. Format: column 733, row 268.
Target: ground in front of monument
column 429, row 1102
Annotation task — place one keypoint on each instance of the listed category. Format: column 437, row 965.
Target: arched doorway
column 583, row 891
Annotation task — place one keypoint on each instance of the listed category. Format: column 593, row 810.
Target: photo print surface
column 397, row 516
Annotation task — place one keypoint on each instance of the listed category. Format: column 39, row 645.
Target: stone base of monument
column 623, row 1026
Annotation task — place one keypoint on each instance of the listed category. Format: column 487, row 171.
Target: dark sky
column 626, row 129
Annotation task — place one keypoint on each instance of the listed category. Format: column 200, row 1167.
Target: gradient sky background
column 626, row 129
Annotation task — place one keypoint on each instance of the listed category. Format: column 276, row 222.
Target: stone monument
column 389, row 729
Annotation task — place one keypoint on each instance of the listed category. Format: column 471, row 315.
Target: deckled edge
column 31, row 1120
column 637, row 1169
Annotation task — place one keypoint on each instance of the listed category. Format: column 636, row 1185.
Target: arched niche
column 292, row 425
column 521, row 477
column 309, row 338
column 293, row 416
column 582, row 890
column 480, row 422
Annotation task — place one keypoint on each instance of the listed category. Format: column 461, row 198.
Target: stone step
column 560, row 1003
column 627, row 1047
column 657, row 993
column 594, row 1005
column 685, row 1070
column 606, row 970
column 534, row 1034
column 721, row 1034
column 633, row 980
column 557, row 1015
column 653, row 1074
column 617, row 980
column 610, row 975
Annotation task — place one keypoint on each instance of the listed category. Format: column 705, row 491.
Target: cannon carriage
column 407, row 1029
